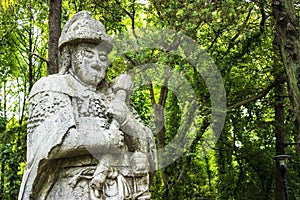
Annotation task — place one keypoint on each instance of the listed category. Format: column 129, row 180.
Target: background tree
column 288, row 42
column 287, row 39
column 54, row 34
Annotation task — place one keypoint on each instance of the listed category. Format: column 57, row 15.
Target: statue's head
column 84, row 46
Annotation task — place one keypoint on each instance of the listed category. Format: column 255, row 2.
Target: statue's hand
column 97, row 184
column 119, row 110
column 98, row 180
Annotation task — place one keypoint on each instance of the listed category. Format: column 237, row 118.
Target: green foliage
column 13, row 155
column 141, row 103
column 237, row 34
column 23, row 35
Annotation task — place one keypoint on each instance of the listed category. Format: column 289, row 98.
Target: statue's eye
column 88, row 53
column 102, row 57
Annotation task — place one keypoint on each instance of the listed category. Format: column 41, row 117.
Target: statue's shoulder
column 52, row 83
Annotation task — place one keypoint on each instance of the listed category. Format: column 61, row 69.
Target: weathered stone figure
column 84, row 142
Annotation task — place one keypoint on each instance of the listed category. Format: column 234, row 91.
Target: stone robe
column 69, row 134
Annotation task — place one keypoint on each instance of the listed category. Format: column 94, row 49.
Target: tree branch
column 40, row 57
column 251, row 99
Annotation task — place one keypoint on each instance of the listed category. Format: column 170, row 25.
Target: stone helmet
column 83, row 27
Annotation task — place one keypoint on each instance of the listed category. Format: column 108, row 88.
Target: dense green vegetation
column 239, row 36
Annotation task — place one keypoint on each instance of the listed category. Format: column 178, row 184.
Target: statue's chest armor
column 92, row 108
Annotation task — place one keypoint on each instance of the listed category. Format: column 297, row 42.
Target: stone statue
column 84, row 140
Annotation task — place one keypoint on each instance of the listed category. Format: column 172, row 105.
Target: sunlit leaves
column 7, row 3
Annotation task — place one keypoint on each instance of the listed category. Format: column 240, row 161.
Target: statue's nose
column 97, row 65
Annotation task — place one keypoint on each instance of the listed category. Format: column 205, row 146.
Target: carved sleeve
column 43, row 105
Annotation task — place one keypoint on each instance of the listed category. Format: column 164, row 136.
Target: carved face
column 89, row 63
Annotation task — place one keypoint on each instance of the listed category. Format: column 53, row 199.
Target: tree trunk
column 54, row 34
column 160, row 126
column 288, row 41
column 279, row 134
